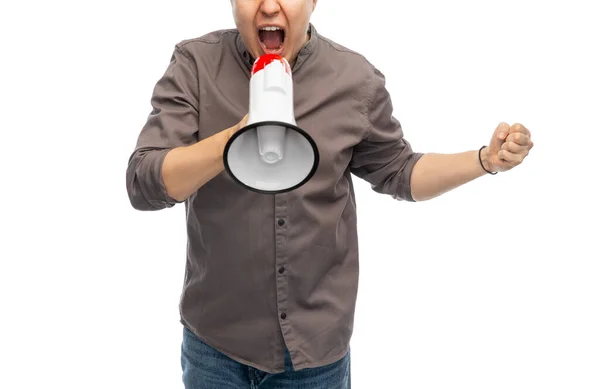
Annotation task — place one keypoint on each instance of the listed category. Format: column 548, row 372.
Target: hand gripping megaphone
column 271, row 154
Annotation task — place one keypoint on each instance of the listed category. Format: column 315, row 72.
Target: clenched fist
column 508, row 147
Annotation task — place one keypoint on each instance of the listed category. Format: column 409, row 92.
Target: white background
column 493, row 285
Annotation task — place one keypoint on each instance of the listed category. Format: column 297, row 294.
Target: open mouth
column 271, row 39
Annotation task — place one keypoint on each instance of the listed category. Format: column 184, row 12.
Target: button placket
column 281, row 257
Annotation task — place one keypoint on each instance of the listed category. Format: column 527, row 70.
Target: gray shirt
column 269, row 271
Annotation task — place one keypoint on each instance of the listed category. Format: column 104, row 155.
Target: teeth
column 270, row 28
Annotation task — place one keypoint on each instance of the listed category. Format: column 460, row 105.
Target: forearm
column 435, row 174
column 186, row 169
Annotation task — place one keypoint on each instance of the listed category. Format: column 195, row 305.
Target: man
column 271, row 280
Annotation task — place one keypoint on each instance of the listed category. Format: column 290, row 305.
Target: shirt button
column 281, row 270
column 281, row 222
column 283, row 315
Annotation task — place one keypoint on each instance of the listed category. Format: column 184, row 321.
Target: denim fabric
column 203, row 367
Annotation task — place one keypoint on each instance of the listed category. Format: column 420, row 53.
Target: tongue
column 272, row 39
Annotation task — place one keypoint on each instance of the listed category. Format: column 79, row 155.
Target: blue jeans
column 206, row 368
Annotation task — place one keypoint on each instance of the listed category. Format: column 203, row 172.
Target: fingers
column 519, row 139
column 512, row 159
column 515, row 148
column 519, row 128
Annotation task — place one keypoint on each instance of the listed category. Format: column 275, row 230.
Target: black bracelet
column 481, row 163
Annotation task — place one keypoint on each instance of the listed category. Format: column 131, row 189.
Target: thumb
column 499, row 136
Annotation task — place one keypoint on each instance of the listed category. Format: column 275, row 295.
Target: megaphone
column 271, row 154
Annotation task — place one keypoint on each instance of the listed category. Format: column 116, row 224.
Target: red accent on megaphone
column 266, row 59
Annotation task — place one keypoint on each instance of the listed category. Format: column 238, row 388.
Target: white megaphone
column 271, row 154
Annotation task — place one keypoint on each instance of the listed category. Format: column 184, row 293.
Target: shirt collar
column 303, row 54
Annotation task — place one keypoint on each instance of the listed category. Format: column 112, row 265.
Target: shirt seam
column 204, row 39
column 369, row 128
column 368, row 109
column 186, row 53
column 341, row 50
column 325, row 362
column 365, row 114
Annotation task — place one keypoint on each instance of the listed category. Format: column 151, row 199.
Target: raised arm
column 435, row 174
column 385, row 158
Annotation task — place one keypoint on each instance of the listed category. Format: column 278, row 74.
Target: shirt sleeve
column 173, row 122
column 384, row 158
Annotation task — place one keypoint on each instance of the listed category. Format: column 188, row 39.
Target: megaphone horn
column 271, row 154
